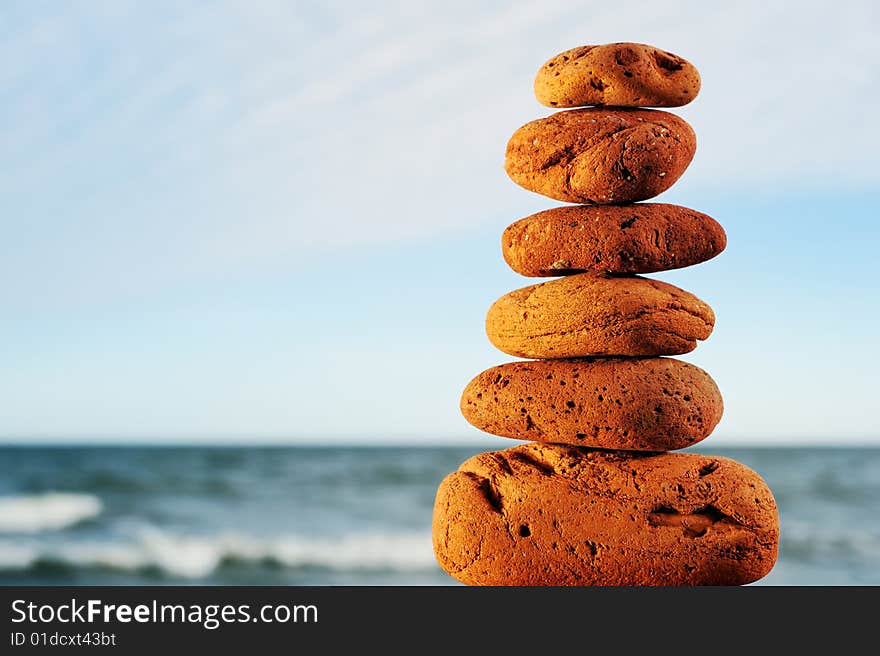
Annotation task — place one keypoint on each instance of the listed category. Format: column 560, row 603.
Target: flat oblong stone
column 601, row 156
column 640, row 238
column 593, row 315
column 642, row 404
column 621, row 74
column 542, row 514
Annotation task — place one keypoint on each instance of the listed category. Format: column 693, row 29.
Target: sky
column 280, row 221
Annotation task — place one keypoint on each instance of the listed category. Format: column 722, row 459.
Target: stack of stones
column 594, row 498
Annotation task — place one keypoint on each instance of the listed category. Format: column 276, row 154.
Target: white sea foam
column 195, row 557
column 46, row 512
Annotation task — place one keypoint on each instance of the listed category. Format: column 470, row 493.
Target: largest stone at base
column 560, row 515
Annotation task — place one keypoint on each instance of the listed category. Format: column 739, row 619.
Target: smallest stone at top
column 617, row 74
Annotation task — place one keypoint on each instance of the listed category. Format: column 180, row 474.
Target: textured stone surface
column 623, row 74
column 647, row 404
column 589, row 314
column 562, row 515
column 601, row 156
column 640, row 238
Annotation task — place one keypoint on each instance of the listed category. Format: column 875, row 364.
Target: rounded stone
column 640, row 238
column 590, row 315
column 601, row 156
column 621, row 74
column 641, row 404
column 563, row 515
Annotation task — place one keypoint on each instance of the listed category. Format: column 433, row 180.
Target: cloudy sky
column 280, row 221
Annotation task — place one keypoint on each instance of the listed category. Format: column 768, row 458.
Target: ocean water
column 341, row 516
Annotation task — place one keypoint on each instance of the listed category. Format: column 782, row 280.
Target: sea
column 342, row 516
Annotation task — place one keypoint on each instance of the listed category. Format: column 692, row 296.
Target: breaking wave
column 51, row 511
column 195, row 557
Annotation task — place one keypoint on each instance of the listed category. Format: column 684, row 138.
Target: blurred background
column 248, row 248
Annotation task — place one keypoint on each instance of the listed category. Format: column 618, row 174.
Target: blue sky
column 279, row 221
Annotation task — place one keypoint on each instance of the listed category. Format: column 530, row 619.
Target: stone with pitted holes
column 642, row 404
column 621, row 74
column 595, row 314
column 563, row 515
column 601, row 156
column 640, row 238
